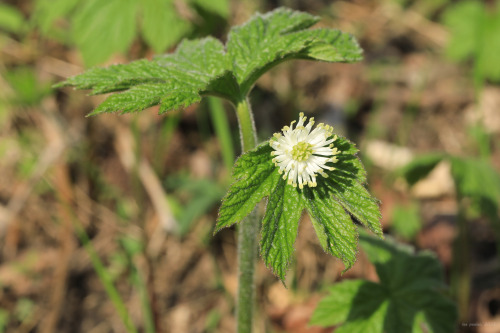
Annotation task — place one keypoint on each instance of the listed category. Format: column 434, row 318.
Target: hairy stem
column 248, row 230
column 247, row 126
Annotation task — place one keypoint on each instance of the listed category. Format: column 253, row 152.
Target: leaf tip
column 61, row 84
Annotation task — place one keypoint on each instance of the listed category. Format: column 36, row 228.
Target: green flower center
column 301, row 151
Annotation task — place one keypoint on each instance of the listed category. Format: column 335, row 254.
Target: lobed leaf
column 357, row 201
column 345, row 184
column 336, row 232
column 334, row 308
column 279, row 227
column 330, row 205
column 198, row 67
column 331, row 45
column 269, row 39
column 407, row 299
column 254, row 176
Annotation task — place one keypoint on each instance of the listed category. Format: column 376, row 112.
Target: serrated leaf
column 254, row 177
column 345, row 184
column 269, row 39
column 118, row 77
column 279, row 227
column 199, row 67
column 139, row 98
column 336, row 232
column 407, row 298
column 162, row 26
column 357, row 201
column 175, row 80
column 332, row 45
column 101, row 28
column 349, row 165
column 329, row 205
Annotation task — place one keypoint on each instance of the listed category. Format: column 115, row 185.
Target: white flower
column 301, row 154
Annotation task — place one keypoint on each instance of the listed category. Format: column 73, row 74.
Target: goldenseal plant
column 206, row 67
column 300, row 169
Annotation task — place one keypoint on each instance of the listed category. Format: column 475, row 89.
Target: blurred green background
column 116, row 212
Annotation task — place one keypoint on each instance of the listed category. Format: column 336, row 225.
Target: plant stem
column 222, row 129
column 247, row 127
column 248, row 230
column 461, row 276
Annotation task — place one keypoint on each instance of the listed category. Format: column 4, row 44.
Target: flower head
column 301, row 154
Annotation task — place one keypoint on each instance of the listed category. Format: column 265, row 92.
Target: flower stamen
column 302, row 153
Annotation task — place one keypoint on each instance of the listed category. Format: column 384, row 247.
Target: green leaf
column 357, row 201
column 26, row 87
column 336, row 232
column 329, row 205
column 175, row 80
column 420, row 167
column 162, row 26
column 475, row 30
column 269, row 39
column 101, row 28
column 331, row 45
column 255, row 176
column 279, row 227
column 46, row 12
column 335, row 307
column 487, row 65
column 118, row 77
column 11, row 19
column 462, row 19
column 219, row 7
column 399, row 268
column 358, row 304
column 407, row 298
column 406, row 221
column 475, row 177
column 199, row 67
